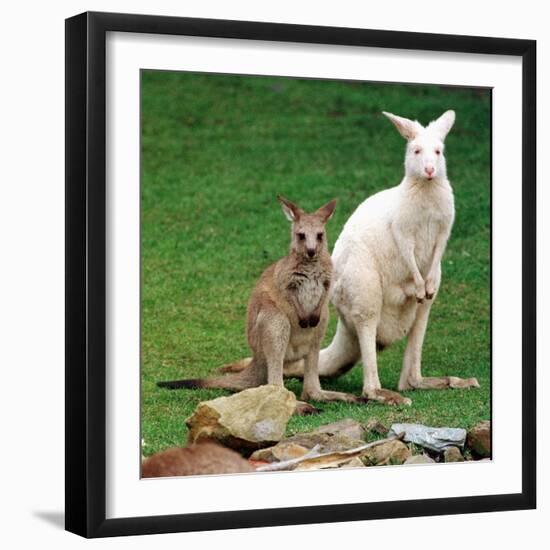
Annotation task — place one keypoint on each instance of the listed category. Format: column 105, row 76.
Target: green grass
column 216, row 150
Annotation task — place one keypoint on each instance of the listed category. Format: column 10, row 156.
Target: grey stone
column 436, row 439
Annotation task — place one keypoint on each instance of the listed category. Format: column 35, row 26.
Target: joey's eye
column 417, row 151
column 319, row 236
column 438, row 151
column 301, row 236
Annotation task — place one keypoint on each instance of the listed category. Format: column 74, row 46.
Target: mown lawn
column 216, row 150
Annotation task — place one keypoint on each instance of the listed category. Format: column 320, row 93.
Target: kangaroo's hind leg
column 271, row 338
column 312, row 387
column 411, row 375
column 336, row 359
column 366, row 330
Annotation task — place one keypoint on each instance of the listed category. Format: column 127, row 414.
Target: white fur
column 387, row 261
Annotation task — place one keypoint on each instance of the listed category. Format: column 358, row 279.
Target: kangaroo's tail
column 179, row 384
column 241, row 378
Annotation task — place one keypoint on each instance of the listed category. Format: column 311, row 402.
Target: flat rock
column 330, row 464
column 420, row 459
column 347, row 427
column 479, row 439
column 355, row 462
column 299, row 444
column 285, row 450
column 248, row 420
column 452, row 454
column 391, row 452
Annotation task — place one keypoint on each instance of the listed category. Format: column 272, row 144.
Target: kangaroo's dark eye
column 437, row 152
column 319, row 236
column 302, row 236
column 417, row 151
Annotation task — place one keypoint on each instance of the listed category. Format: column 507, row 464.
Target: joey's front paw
column 314, row 320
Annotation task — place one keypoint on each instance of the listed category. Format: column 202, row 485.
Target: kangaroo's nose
column 429, row 170
column 311, row 252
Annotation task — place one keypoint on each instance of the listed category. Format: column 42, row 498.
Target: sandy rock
column 479, row 439
column 420, row 459
column 247, row 420
column 347, row 427
column 392, row 452
column 283, row 451
column 355, row 462
column 200, row 459
column 325, row 442
column 452, row 454
column 344, row 463
column 303, row 442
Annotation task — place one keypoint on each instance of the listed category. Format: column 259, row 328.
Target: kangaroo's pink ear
column 326, row 211
column 407, row 128
column 292, row 212
column 442, row 126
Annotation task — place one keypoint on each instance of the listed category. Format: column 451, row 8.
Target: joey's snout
column 311, row 252
column 429, row 170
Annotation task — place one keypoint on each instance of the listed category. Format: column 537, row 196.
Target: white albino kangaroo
column 387, row 268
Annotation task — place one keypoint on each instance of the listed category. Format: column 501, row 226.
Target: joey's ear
column 443, row 124
column 292, row 212
column 326, row 211
column 407, row 128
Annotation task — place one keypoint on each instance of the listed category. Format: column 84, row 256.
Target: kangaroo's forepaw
column 387, row 397
column 314, row 320
column 420, row 292
column 430, row 288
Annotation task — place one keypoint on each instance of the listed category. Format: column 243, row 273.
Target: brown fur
column 287, row 313
column 198, row 459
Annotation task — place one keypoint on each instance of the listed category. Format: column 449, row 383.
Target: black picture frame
column 86, row 274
